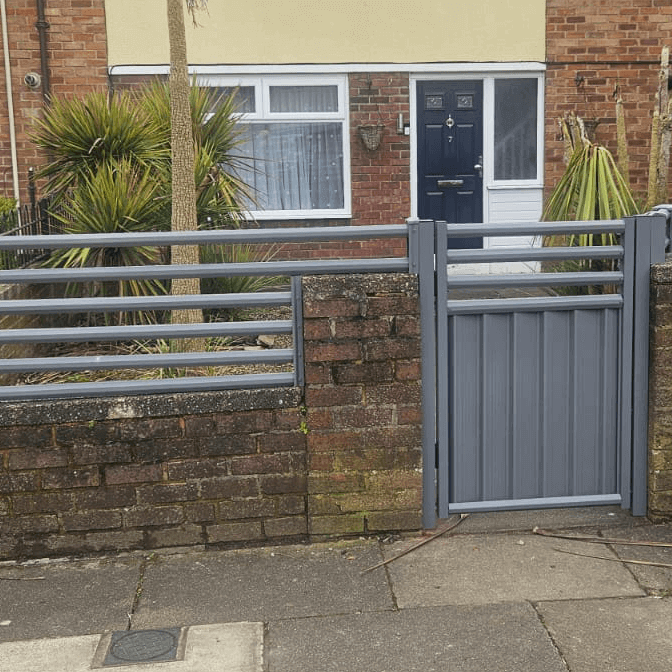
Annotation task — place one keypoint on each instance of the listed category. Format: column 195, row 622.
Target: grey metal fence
column 109, row 305
column 534, row 391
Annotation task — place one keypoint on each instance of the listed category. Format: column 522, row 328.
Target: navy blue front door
column 450, row 153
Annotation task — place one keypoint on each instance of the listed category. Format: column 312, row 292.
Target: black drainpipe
column 42, row 26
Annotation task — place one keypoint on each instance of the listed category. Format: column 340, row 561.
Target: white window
column 516, row 129
column 294, row 142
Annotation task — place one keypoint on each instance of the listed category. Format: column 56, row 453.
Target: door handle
column 479, row 166
column 442, row 184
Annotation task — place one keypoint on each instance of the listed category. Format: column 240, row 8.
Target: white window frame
column 263, row 114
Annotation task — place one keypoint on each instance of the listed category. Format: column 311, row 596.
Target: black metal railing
column 34, row 219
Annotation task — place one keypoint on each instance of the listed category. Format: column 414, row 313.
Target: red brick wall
column 381, row 191
column 77, row 60
column 362, row 352
column 605, row 42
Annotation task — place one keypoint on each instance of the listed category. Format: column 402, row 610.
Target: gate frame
column 644, row 241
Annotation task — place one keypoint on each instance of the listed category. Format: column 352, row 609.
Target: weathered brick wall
column 256, row 466
column 362, row 349
column 141, row 472
column 660, row 393
column 604, row 44
column 77, row 62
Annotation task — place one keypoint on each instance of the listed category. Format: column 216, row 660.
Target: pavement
column 489, row 596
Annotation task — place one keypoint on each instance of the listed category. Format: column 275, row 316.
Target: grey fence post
column 649, row 239
column 426, row 277
column 297, row 331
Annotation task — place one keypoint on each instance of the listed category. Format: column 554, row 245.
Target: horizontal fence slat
column 133, row 303
column 534, row 228
column 114, row 388
column 209, row 237
column 534, row 280
column 110, row 362
column 145, row 331
column 536, row 503
column 534, row 304
column 534, row 254
column 266, row 268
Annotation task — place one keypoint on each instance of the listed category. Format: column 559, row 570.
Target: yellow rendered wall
column 333, row 31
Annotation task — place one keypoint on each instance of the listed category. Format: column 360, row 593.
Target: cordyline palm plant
column 118, row 198
column 110, row 169
column 592, row 186
column 81, row 136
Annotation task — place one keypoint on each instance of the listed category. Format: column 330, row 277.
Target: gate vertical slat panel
column 556, row 403
column 466, row 409
column 609, row 467
column 496, row 386
column 589, row 344
column 526, row 406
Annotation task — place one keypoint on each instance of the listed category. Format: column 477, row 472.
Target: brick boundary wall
column 236, row 467
column 660, row 394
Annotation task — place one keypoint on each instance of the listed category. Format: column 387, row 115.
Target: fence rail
column 170, row 362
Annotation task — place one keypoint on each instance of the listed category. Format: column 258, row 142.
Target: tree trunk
column 183, row 216
column 664, row 141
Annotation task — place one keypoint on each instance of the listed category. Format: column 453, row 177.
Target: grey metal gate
column 535, row 396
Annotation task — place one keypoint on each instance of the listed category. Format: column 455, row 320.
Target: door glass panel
column 515, row 129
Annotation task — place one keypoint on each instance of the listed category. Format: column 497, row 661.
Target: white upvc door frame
column 488, row 77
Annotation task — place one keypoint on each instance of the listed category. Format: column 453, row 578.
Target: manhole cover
column 143, row 646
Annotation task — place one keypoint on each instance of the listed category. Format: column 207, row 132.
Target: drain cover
column 142, row 646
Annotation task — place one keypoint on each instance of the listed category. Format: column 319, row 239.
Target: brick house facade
column 76, row 55
column 590, row 48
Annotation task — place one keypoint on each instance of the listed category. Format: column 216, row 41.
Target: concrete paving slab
column 656, row 580
column 260, row 584
column 57, row 599
column 497, row 638
column 616, row 635
column 229, row 647
column 486, row 569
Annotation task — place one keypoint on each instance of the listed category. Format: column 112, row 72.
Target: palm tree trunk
column 183, row 216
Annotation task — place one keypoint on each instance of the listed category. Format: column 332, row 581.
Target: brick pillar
column 660, row 393
column 363, row 415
